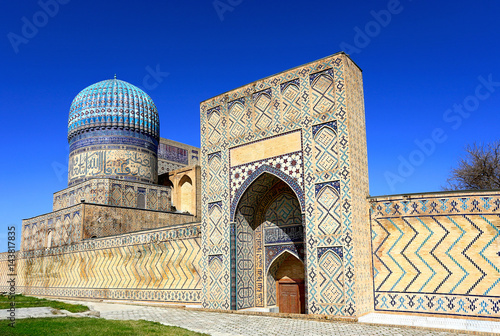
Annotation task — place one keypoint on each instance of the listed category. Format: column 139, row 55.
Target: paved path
column 221, row 324
column 486, row 326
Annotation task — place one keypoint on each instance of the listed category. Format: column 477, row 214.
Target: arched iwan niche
column 268, row 222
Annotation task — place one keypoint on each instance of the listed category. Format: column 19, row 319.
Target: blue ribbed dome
column 113, row 104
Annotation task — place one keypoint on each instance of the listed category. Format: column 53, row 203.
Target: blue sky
column 431, row 75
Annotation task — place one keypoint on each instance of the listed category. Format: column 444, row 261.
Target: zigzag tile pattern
column 438, row 255
column 161, row 264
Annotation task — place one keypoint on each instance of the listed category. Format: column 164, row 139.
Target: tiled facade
column 115, row 267
column 278, row 190
column 69, row 226
column 173, row 155
column 115, row 192
column 437, row 254
column 292, row 128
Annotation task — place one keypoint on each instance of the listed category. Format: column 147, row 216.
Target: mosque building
column 271, row 213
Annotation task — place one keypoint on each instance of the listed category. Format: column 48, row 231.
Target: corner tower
column 113, row 132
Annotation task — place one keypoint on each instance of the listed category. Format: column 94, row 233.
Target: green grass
column 27, row 301
column 86, row 326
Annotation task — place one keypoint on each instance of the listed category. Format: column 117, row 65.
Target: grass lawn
column 26, row 302
column 86, row 326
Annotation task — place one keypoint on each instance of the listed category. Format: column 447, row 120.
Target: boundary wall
column 160, row 265
column 437, row 253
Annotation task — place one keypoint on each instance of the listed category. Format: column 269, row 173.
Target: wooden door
column 290, row 298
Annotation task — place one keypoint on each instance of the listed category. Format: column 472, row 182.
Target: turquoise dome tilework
column 113, row 132
column 115, row 104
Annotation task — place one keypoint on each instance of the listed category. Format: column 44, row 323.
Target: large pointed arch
column 291, row 182
column 268, row 219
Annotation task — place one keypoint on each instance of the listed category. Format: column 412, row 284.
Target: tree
column 478, row 169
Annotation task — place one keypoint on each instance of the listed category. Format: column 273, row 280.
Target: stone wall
column 115, row 192
column 103, row 221
column 437, row 253
column 186, row 189
column 173, row 155
column 85, row 220
column 58, row 228
column 161, row 265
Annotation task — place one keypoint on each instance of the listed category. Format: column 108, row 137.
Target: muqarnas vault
column 272, row 213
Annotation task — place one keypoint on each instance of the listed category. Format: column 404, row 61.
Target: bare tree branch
column 478, row 169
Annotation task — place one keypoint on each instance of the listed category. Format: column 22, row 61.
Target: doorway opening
column 286, row 275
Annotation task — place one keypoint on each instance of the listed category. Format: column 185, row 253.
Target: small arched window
column 141, row 198
column 186, row 194
column 49, row 239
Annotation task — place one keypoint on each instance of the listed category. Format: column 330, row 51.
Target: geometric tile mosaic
column 245, row 255
column 290, row 164
column 215, row 282
column 331, row 275
column 214, row 126
column 238, row 119
column 323, row 91
column 325, row 152
column 292, row 101
column 215, row 170
column 288, row 168
column 312, row 99
column 262, row 102
column 215, row 223
column 437, row 255
column 328, row 208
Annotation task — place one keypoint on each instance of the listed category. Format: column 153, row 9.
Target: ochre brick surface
column 160, row 265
